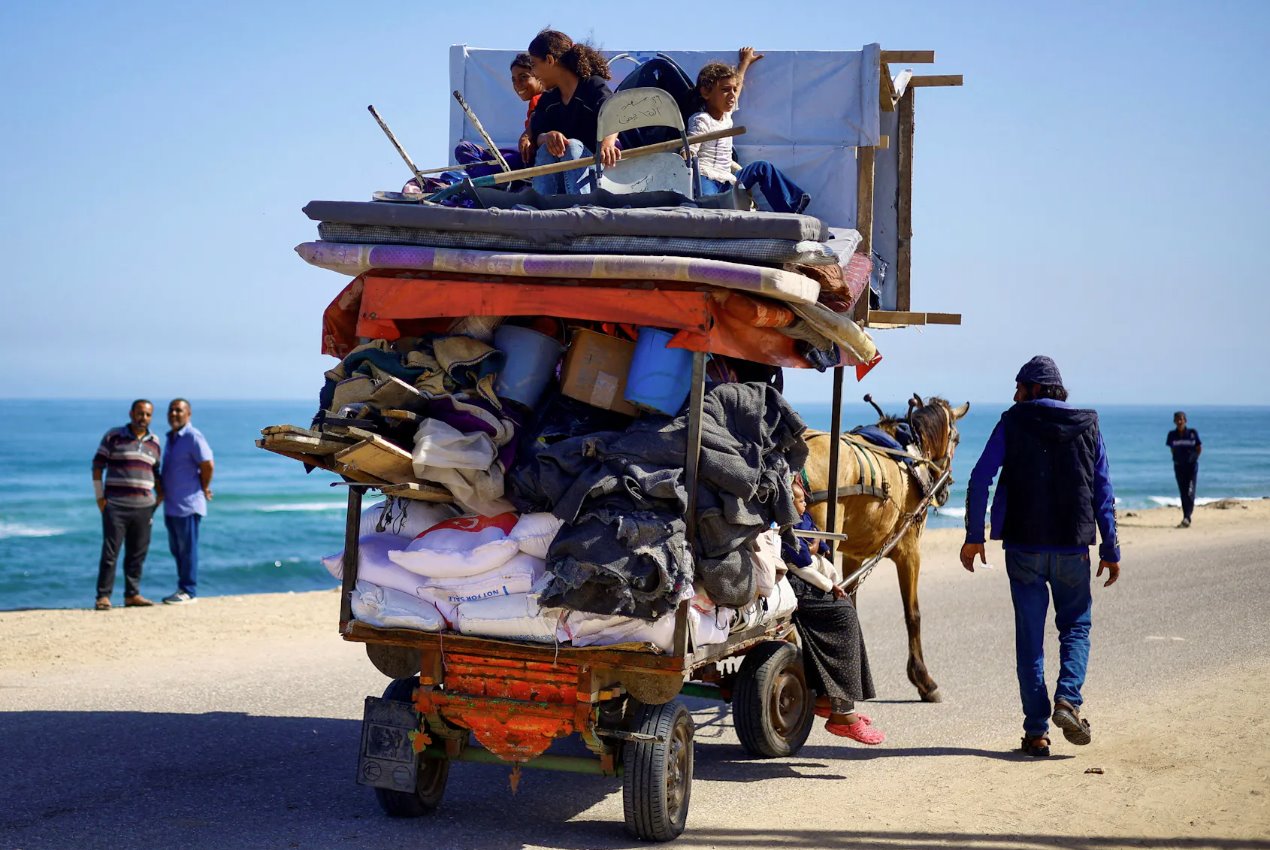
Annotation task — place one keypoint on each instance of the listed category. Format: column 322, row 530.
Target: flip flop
column 859, row 731
column 1075, row 728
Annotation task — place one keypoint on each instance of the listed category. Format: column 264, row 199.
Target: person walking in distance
column 187, row 486
column 1186, row 447
column 1054, row 491
column 127, row 457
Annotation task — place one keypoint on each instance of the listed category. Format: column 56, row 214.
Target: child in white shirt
column 719, row 86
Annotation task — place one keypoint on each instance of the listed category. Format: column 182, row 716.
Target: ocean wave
column 18, row 529
column 302, row 506
column 1176, row 501
column 956, row 513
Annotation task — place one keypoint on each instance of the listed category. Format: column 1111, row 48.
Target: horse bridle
column 951, row 438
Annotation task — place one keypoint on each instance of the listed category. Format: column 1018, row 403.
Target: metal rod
column 352, row 530
column 835, row 431
column 396, row 144
column 568, row 764
column 818, row 535
column 692, row 459
column 572, row 164
column 489, row 143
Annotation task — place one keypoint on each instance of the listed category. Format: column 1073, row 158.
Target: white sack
column 515, row 617
column 406, row 518
column 768, row 564
column 394, row 609
column 453, row 552
column 373, row 565
column 521, row 574
column 534, row 532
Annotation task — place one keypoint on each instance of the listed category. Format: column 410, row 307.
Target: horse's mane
column 927, row 421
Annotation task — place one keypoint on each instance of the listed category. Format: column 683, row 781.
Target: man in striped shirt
column 129, row 457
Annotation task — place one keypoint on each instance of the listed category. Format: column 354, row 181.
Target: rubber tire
column 772, row 707
column 433, row 773
column 657, row 776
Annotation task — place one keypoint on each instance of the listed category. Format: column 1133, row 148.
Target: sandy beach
column 1177, row 699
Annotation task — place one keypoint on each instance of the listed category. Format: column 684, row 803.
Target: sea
column 270, row 523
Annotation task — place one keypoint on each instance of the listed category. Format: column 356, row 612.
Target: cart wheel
column 772, row 706
column 433, row 772
column 657, row 775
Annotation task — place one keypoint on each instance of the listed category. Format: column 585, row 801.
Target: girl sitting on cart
column 833, row 646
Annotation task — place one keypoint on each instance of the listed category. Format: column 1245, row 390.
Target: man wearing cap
column 1054, row 491
column 1186, row 447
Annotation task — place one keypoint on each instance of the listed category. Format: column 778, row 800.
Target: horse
column 878, row 492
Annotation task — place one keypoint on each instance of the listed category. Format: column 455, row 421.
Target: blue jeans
column 562, row 182
column 782, row 194
column 1033, row 577
column 183, row 542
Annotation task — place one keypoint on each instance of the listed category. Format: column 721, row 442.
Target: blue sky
column 1097, row 191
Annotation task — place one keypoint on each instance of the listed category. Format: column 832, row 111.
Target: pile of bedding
column 535, row 486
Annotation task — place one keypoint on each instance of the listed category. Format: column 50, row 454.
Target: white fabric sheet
column 805, row 111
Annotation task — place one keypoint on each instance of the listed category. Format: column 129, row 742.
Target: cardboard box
column 595, row 368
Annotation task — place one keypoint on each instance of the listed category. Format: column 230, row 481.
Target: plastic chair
column 669, row 171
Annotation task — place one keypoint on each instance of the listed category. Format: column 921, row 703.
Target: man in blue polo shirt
column 187, row 488
column 1055, row 489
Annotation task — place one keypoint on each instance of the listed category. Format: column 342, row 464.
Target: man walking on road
column 187, row 488
column 1054, row 490
column 128, row 457
column 1186, row 447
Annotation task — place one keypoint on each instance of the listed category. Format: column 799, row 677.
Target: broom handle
column 396, row 144
column 489, row 143
column 570, row 164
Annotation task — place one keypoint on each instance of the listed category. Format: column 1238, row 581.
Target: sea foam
column 18, row 529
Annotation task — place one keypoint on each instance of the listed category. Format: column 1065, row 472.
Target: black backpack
column 664, row 73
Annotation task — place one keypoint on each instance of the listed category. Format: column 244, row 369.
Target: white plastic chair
column 667, row 171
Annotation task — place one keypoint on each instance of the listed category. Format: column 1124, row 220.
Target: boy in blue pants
column 719, row 86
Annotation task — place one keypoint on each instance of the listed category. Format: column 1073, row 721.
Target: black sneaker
column 179, row 598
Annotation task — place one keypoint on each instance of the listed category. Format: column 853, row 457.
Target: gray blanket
column 751, row 441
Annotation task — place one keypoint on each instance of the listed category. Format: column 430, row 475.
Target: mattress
column 354, row 260
column 773, row 251
column 549, row 225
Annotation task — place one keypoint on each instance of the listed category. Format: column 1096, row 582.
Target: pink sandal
column 859, row 731
column 821, row 711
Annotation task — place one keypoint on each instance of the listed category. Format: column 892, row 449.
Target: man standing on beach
column 1054, row 490
column 1186, row 448
column 187, row 488
column 128, row 456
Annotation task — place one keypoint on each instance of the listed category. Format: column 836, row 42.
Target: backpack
column 664, row 73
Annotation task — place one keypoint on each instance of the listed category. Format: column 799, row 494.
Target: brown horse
column 878, row 492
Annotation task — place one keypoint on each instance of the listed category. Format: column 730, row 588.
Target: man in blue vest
column 1054, row 491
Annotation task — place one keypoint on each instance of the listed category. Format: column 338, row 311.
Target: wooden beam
column 928, row 80
column 908, row 318
column 886, row 89
column 904, row 203
column 943, row 318
column 865, row 159
column 920, row 57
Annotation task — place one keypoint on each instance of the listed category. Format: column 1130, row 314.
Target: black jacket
column 1050, row 456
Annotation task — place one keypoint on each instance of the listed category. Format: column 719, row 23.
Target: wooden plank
column 896, row 317
column 865, row 159
column 271, row 430
column 943, row 318
column 401, row 415
column 418, row 492
column 886, row 89
column 904, row 203
column 380, row 458
column 920, row 57
column 928, row 80
column 327, row 463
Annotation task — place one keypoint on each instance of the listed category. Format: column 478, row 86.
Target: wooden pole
column 904, row 204
column 396, row 144
column 865, row 158
column 489, row 143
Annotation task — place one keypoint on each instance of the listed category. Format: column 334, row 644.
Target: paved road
column 258, row 749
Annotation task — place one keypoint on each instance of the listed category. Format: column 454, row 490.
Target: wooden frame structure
column 897, row 95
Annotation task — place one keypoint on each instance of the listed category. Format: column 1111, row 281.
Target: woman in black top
column 563, row 125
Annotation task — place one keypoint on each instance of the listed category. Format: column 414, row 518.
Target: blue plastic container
column 660, row 377
column 531, row 363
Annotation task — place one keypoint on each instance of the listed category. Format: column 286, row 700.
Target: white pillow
column 451, row 551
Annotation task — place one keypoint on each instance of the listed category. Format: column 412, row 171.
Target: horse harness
column 870, row 481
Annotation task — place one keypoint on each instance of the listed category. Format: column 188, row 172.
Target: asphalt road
column 258, row 749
